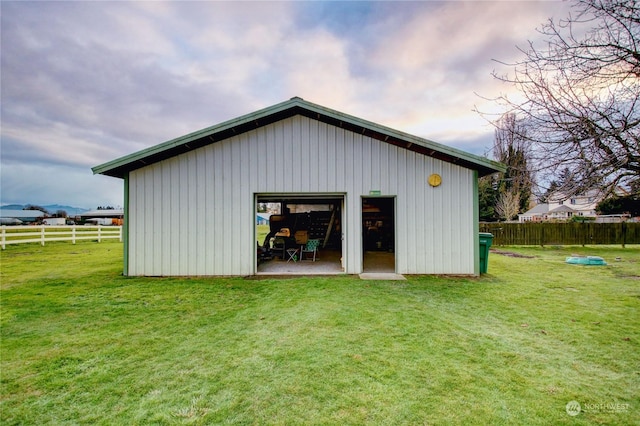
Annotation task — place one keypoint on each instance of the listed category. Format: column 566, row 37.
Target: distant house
column 541, row 213
column 262, row 218
column 54, row 221
column 563, row 207
column 561, row 213
column 537, row 214
column 103, row 217
column 580, row 205
column 14, row 217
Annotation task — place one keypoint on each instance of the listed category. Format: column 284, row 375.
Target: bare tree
column 508, row 205
column 510, row 147
column 580, row 95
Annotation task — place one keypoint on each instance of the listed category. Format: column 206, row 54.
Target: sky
column 85, row 82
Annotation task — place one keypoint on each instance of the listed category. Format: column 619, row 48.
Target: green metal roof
column 295, row 106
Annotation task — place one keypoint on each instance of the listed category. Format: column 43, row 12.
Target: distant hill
column 71, row 211
column 51, row 208
column 12, row 207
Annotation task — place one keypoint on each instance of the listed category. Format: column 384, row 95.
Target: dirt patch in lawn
column 510, row 254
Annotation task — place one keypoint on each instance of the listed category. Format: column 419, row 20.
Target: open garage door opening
column 299, row 234
column 378, row 234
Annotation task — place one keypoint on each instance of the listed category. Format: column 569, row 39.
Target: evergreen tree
column 487, row 194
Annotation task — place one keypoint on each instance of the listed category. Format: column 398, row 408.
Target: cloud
column 418, row 66
column 54, row 184
column 86, row 82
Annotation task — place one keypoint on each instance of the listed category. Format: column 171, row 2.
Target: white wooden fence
column 47, row 233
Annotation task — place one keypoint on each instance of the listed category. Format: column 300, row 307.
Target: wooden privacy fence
column 47, row 233
column 563, row 233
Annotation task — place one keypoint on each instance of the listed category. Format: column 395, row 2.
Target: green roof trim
column 294, row 106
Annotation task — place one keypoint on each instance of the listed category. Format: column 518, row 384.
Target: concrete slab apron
column 381, row 276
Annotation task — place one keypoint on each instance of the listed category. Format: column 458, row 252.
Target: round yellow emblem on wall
column 435, row 180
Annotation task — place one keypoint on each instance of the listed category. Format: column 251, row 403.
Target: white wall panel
column 193, row 214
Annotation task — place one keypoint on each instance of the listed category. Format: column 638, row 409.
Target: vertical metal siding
column 193, row 214
column 201, row 194
column 209, row 224
column 402, row 230
column 419, row 197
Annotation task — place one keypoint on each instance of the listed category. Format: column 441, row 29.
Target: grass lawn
column 83, row 345
column 261, row 233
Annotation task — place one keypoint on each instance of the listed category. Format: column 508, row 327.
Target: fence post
column 73, row 234
column 4, row 236
column 99, row 234
column 120, row 233
column 42, row 235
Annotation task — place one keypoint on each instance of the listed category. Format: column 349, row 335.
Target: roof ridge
column 294, row 106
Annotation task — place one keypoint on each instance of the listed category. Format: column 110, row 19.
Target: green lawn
column 83, row 345
column 261, row 233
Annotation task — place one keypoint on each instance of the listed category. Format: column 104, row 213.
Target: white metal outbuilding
column 190, row 203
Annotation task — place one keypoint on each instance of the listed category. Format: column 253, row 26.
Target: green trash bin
column 485, row 243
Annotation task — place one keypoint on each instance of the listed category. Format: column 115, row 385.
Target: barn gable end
column 191, row 210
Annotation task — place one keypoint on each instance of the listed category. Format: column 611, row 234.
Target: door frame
column 394, row 200
column 337, row 196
